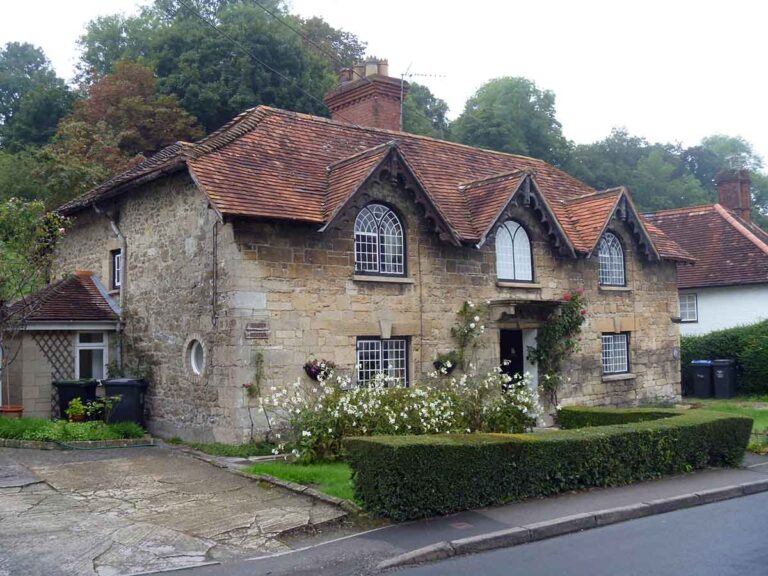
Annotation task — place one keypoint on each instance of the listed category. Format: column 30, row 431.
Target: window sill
column 518, row 285
column 614, row 289
column 618, row 377
column 383, row 279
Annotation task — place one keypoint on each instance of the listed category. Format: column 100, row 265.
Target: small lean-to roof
column 77, row 298
column 274, row 164
column 728, row 250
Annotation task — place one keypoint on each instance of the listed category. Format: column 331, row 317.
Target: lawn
column 333, row 479
column 756, row 407
column 230, row 450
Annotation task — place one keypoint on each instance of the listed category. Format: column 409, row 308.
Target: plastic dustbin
column 702, row 378
column 724, row 378
column 71, row 389
column 131, row 405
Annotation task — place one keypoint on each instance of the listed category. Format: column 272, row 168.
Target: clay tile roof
column 346, row 176
column 727, row 249
column 589, row 215
column 77, row 298
column 274, row 164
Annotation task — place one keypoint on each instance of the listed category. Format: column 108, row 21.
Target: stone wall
column 287, row 291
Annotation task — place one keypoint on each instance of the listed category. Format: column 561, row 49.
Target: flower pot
column 11, row 411
column 438, row 365
column 77, row 418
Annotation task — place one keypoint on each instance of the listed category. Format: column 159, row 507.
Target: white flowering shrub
column 321, row 414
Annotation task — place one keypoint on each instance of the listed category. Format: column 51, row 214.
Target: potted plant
column 319, row 369
column 446, row 363
column 76, row 410
column 12, row 411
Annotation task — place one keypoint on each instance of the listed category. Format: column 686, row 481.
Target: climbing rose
column 583, row 311
column 567, row 296
column 580, row 291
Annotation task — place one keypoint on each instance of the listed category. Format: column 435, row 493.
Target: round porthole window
column 196, row 357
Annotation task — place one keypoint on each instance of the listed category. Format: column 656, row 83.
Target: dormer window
column 379, row 242
column 611, row 257
column 513, row 253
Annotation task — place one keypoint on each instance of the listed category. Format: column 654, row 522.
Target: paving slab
column 138, row 510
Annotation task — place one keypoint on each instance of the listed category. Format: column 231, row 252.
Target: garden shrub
column 405, row 477
column 583, row 417
column 62, row 431
column 321, row 414
column 748, row 345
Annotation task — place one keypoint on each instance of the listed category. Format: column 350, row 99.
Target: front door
column 511, row 349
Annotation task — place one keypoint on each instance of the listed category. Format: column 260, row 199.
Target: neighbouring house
column 65, row 331
column 728, row 285
column 283, row 235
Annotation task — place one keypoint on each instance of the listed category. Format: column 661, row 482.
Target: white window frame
column 370, row 344
column 514, row 254
column 103, row 345
column 684, row 304
column 382, row 233
column 614, row 353
column 611, row 261
column 116, row 264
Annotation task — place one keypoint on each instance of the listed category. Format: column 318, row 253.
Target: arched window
column 379, row 242
column 513, row 253
column 611, row 256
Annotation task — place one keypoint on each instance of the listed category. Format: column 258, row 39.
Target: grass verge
column 334, row 479
column 229, row 450
column 756, row 407
column 42, row 430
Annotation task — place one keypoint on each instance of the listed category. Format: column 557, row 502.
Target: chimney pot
column 368, row 96
column 734, row 193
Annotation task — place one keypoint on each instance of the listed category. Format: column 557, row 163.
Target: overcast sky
column 668, row 70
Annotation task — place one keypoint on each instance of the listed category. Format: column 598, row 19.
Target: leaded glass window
column 513, row 253
column 615, row 353
column 611, row 257
column 382, row 361
column 379, row 242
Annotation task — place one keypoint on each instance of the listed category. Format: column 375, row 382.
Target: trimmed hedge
column 748, row 345
column 405, row 477
column 583, row 417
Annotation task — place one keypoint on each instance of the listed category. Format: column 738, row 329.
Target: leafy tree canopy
column 215, row 76
column 424, row 113
column 513, row 115
column 32, row 97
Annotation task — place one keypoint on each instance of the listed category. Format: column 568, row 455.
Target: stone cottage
column 283, row 236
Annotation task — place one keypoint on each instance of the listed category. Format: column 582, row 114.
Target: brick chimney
column 367, row 96
column 733, row 192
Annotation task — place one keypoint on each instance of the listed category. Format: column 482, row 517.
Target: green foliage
column 230, row 450
column 334, row 479
column 409, row 477
column 748, row 345
column 212, row 76
column 513, row 115
column 468, row 328
column 32, row 98
column 582, row 417
column 63, row 431
column 557, row 340
column 424, row 113
column 103, row 407
column 75, row 409
column 28, row 238
column 755, row 407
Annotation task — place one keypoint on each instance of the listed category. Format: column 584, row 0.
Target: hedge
column 406, row 477
column 748, row 345
column 583, row 417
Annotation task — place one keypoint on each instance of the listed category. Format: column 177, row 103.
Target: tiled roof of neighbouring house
column 77, row 298
column 728, row 249
column 275, row 164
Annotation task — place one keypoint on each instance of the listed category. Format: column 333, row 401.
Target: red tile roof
column 76, row 298
column 275, row 164
column 728, row 250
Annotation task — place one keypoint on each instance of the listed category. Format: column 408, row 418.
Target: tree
column 424, row 113
column 32, row 98
column 121, row 121
column 218, row 75
column 513, row 115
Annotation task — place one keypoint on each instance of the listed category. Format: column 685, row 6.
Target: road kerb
column 517, row 535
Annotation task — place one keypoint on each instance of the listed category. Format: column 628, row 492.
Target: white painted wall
column 726, row 307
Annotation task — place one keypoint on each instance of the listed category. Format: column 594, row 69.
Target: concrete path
column 110, row 512
column 361, row 554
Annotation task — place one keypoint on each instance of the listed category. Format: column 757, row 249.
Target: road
column 723, row 539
